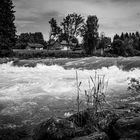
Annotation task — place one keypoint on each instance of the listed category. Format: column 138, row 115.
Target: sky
column 115, row 16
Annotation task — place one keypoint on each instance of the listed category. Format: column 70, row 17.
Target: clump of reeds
column 96, row 94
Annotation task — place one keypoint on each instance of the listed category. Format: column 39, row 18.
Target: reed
column 96, row 93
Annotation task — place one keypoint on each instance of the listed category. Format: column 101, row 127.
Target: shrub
column 25, row 54
column 134, row 87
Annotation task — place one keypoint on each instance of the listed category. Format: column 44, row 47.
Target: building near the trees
column 34, row 46
column 65, row 46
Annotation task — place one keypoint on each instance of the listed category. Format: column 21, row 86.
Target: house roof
column 35, row 45
column 64, row 42
column 51, row 42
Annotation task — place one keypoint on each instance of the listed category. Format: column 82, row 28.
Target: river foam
column 17, row 83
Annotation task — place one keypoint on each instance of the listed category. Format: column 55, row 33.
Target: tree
column 118, row 47
column 136, row 43
column 126, row 36
column 71, row 26
column 7, row 27
column 116, row 37
column 137, row 34
column 63, row 36
column 25, row 38
column 38, row 38
column 55, row 29
column 104, row 43
column 90, row 34
column 122, row 37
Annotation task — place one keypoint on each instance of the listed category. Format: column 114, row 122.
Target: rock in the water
column 127, row 128
column 57, row 129
column 94, row 136
column 108, row 119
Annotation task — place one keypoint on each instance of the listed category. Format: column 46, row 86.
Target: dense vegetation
column 71, row 28
column 24, row 38
column 7, row 27
column 126, row 44
column 25, row 54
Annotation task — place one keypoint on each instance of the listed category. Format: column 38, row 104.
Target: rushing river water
column 34, row 91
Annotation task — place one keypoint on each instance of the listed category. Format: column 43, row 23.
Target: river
column 29, row 94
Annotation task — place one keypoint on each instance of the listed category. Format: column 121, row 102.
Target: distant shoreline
column 89, row 63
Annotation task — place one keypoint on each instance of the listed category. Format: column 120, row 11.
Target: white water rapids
column 24, row 85
column 17, row 83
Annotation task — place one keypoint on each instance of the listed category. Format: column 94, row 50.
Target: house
column 60, row 45
column 68, row 46
column 57, row 45
column 65, row 46
column 54, row 45
column 34, row 46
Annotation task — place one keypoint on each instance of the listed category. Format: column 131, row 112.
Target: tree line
column 72, row 27
column 23, row 39
column 126, row 44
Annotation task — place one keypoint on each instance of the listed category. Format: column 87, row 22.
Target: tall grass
column 95, row 97
column 78, row 84
column 96, row 93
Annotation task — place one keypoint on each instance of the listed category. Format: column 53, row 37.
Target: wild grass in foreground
column 95, row 96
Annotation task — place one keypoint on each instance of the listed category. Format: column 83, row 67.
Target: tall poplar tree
column 90, row 34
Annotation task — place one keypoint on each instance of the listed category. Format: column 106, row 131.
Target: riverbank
column 7, row 59
column 30, row 95
column 88, row 63
column 125, row 63
column 108, row 124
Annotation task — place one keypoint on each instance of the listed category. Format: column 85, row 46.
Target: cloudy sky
column 114, row 16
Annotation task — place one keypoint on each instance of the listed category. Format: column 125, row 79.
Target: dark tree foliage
column 38, row 37
column 126, row 36
column 90, row 34
column 55, row 29
column 116, row 37
column 104, row 43
column 22, row 41
column 7, row 27
column 128, row 44
column 118, row 47
column 24, row 38
column 69, row 29
column 71, row 26
column 63, row 36
column 122, row 37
